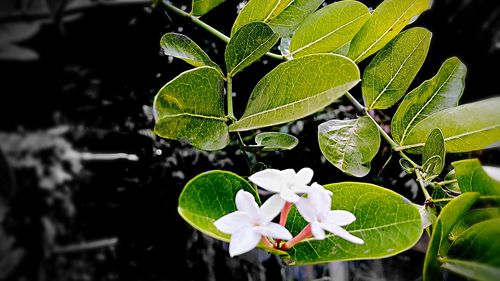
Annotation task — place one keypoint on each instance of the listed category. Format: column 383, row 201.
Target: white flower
column 287, row 183
column 316, row 209
column 250, row 223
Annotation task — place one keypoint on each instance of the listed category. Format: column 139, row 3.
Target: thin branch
column 104, row 243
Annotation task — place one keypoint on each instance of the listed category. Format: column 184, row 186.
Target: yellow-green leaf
column 201, row 7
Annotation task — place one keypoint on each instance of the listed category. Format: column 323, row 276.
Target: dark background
column 90, row 89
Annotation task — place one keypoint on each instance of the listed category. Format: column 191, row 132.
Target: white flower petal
column 321, row 200
column 271, row 208
column 232, row 222
column 304, row 176
column 342, row 233
column 340, row 217
column 275, row 230
column 288, row 175
column 269, row 179
column 306, row 209
column 243, row 241
column 245, row 202
column 288, row 195
column 317, row 230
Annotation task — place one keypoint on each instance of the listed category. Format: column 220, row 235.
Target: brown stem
column 305, row 233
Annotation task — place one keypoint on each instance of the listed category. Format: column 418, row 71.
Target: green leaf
column 250, row 43
column 472, row 177
column 191, row 108
column 180, row 46
column 201, row 7
column 434, row 153
column 350, row 145
column 329, row 28
column 387, row 222
column 388, row 19
column 288, row 20
column 390, row 73
column 441, row 92
column 210, row 196
column 439, row 242
column 259, row 10
column 471, row 218
column 298, row 88
column 472, row 270
column 468, row 127
column 479, row 245
column 274, row 141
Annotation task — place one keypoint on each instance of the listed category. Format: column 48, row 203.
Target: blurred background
column 87, row 192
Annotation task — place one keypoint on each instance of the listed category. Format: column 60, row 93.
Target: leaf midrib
column 387, row 31
column 195, row 116
column 452, row 73
column 397, row 73
column 325, row 36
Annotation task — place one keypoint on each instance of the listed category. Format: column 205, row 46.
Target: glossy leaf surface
column 181, row 47
column 387, row 222
column 297, row 88
column 349, row 145
column 208, row 197
column 249, row 44
column 288, row 20
column 472, row 177
column 191, row 108
column 329, row 28
column 201, row 7
column 259, row 10
column 442, row 91
column 468, row 127
column 433, row 156
column 274, row 141
column 389, row 75
column 388, row 19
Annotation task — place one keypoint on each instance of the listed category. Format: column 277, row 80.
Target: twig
column 104, row 243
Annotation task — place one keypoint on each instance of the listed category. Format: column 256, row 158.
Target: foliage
column 320, row 53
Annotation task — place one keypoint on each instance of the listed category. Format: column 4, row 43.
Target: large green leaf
column 468, row 127
column 350, row 145
column 433, row 157
column 210, row 196
column 180, row 46
column 441, row 92
column 288, row 20
column 388, row 19
column 191, row 108
column 250, row 43
column 329, row 28
column 296, row 89
column 471, row 218
column 274, row 141
column 387, row 222
column 472, row 177
column 389, row 75
column 475, row 253
column 439, row 242
column 201, row 7
column 259, row 10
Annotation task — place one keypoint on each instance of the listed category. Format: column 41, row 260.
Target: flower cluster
column 250, row 224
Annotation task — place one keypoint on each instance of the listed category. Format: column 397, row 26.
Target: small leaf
column 210, row 196
column 406, row 166
column 329, row 28
column 475, row 253
column 387, row 222
column 191, row 108
column 439, row 242
column 472, row 177
column 250, row 43
column 274, row 141
column 468, row 127
column 434, row 153
column 298, row 88
column 259, row 10
column 388, row 19
column 441, row 92
column 180, row 46
column 389, row 75
column 349, row 145
column 288, row 20
column 201, row 7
